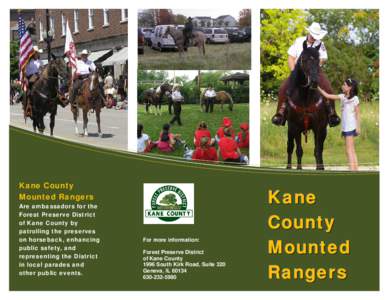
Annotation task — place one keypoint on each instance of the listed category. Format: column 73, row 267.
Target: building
column 203, row 22
column 226, row 21
column 103, row 32
column 28, row 16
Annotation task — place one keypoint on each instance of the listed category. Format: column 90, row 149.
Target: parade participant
column 177, row 100
column 33, row 69
column 350, row 117
column 210, row 97
column 84, row 68
column 313, row 39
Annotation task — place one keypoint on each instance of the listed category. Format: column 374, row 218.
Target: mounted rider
column 84, row 68
column 33, row 70
column 313, row 39
column 188, row 32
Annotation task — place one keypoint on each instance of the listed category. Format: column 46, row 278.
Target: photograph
column 197, row 39
column 68, row 72
column 194, row 115
column 320, row 89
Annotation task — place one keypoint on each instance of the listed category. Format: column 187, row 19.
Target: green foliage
column 352, row 43
column 14, row 60
column 169, row 199
column 279, row 29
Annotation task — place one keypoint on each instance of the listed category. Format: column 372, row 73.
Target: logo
column 168, row 203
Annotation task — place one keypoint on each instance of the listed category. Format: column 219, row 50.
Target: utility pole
column 48, row 37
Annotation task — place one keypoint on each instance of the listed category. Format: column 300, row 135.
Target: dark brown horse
column 154, row 96
column 45, row 95
column 88, row 98
column 306, row 109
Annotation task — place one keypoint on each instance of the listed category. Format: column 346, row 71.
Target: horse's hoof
column 100, row 134
column 289, row 167
column 299, row 167
column 86, row 134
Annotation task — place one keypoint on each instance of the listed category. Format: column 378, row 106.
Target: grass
column 234, row 56
column 191, row 116
column 274, row 140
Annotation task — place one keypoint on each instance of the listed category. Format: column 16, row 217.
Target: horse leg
column 52, row 123
column 290, row 148
column 75, row 111
column 98, row 119
column 320, row 138
column 299, row 150
column 41, row 123
column 85, row 119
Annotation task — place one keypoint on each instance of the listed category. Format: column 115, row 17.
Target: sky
column 214, row 13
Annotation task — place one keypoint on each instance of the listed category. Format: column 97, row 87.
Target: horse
column 306, row 109
column 154, row 97
column 199, row 40
column 222, row 97
column 45, row 95
column 88, row 98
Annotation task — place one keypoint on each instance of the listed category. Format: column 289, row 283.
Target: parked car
column 236, row 35
column 147, row 32
column 160, row 42
column 216, row 35
column 140, row 42
column 248, row 33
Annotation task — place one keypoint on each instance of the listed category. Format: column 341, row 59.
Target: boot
column 279, row 118
column 333, row 118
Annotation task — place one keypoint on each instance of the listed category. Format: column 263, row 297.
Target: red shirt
column 243, row 143
column 228, row 148
column 199, row 134
column 205, row 154
column 220, row 132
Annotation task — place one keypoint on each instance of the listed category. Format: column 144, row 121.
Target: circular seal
column 169, row 198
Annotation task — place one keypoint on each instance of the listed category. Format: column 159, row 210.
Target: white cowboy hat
column 36, row 49
column 84, row 52
column 316, row 31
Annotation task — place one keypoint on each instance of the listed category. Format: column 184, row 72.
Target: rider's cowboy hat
column 84, row 52
column 316, row 31
column 36, row 49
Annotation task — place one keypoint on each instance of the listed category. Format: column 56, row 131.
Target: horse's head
column 93, row 81
column 309, row 64
column 166, row 88
column 58, row 68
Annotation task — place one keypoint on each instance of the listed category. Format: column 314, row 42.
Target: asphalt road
column 114, row 126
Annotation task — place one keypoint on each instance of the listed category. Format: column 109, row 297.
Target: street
column 114, row 126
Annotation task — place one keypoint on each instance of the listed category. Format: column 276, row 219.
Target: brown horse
column 88, row 98
column 199, row 39
column 222, row 98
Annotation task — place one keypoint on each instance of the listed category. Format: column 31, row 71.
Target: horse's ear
column 305, row 45
column 318, row 47
column 53, row 56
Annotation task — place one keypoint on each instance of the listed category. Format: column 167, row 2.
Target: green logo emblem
column 168, row 203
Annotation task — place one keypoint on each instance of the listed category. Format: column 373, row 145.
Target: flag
column 70, row 51
column 25, row 50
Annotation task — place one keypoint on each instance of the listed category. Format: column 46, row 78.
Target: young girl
column 144, row 143
column 202, row 131
column 243, row 136
column 167, row 140
column 350, row 117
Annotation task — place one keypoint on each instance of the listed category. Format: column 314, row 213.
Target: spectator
column 228, row 149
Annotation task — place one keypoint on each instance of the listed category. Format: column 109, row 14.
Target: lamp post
column 48, row 35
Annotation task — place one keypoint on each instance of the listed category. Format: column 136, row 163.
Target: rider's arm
column 291, row 62
column 327, row 95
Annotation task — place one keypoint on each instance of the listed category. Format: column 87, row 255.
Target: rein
column 306, row 111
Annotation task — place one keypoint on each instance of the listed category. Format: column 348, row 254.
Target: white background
column 133, row 6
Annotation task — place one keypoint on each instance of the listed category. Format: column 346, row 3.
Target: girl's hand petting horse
column 327, row 95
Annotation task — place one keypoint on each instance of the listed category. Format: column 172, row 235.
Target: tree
column 180, row 19
column 14, row 60
column 245, row 18
column 165, row 17
column 169, row 199
column 279, row 29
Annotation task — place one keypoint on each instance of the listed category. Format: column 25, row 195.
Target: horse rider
column 84, row 68
column 177, row 100
column 188, row 32
column 209, row 97
column 33, row 70
column 313, row 39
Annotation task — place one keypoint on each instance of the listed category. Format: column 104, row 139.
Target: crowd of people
column 225, row 146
